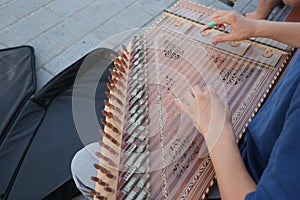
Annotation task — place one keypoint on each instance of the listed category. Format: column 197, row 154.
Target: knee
column 82, row 162
column 76, row 166
column 77, row 171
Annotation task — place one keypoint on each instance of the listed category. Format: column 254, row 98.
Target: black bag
column 38, row 136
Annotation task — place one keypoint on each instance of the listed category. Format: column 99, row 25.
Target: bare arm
column 243, row 28
column 234, row 180
column 212, row 119
column 285, row 32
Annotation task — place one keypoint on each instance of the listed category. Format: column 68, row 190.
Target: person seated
column 265, row 7
column 267, row 164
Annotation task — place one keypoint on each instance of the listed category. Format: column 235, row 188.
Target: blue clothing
column 271, row 147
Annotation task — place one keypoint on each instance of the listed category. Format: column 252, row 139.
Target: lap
column 82, row 166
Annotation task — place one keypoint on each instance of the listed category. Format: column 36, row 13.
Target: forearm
column 285, row 32
column 233, row 179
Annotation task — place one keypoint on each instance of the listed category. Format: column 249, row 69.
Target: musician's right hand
column 207, row 112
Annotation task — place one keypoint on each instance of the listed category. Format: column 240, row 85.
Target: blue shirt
column 271, row 147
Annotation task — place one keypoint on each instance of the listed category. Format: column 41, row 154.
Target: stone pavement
column 62, row 31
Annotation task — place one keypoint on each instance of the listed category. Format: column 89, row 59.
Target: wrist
column 218, row 136
column 259, row 29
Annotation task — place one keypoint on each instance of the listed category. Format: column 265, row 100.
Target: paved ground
column 62, row 31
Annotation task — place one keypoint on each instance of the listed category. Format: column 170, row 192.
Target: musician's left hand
column 207, row 112
column 241, row 27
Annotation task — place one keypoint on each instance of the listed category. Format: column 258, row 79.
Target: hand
column 207, row 112
column 241, row 27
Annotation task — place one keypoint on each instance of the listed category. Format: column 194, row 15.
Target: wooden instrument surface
column 150, row 149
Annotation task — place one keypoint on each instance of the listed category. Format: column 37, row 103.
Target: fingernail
column 205, row 28
column 213, row 42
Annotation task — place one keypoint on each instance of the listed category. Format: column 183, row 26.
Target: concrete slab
column 66, row 8
column 29, row 27
column 45, row 49
column 111, row 8
column 5, row 20
column 21, row 8
column 138, row 19
column 72, row 54
column 79, row 25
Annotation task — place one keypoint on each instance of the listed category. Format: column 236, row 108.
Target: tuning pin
column 120, row 67
column 109, row 137
column 99, row 181
column 104, row 171
column 109, row 125
column 118, row 82
column 125, row 49
column 109, row 189
column 114, row 81
column 122, row 55
column 114, row 73
column 113, row 97
column 108, row 148
column 119, row 92
column 97, row 166
column 123, row 64
column 113, row 57
column 109, row 105
column 107, row 114
column 115, row 108
column 104, row 122
column 110, row 87
column 97, row 195
column 102, row 183
column 119, row 63
column 108, row 160
column 93, row 192
column 117, row 60
column 111, row 72
column 110, row 175
column 108, row 95
column 120, row 75
column 111, row 80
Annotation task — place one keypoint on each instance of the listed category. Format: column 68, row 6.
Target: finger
column 221, row 26
column 188, row 96
column 224, row 38
column 181, row 105
column 219, row 21
column 213, row 91
column 177, row 103
column 226, row 19
column 205, row 27
column 217, row 14
column 204, row 88
column 197, row 91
